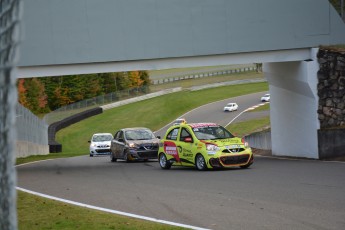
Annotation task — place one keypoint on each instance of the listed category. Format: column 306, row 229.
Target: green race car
column 204, row 146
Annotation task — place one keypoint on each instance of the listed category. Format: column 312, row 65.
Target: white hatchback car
column 100, row 144
column 231, row 107
column 266, row 98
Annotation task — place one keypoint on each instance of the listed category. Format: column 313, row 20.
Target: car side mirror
column 89, row 141
column 159, row 137
column 188, row 139
column 121, row 140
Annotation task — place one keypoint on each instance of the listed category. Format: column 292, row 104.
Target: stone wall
column 331, row 111
column 331, row 88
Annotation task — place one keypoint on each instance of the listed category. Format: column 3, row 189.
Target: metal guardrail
column 202, row 75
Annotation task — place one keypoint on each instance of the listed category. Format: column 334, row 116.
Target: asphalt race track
column 274, row 193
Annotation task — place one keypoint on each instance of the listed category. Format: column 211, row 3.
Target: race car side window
column 172, row 135
column 116, row 136
column 184, row 134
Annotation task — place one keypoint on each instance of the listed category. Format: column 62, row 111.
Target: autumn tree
column 22, row 92
column 36, row 98
column 135, row 80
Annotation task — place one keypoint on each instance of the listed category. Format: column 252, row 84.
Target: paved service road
column 272, row 194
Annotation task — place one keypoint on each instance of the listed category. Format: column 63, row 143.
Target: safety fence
column 202, row 75
column 81, row 106
column 32, row 133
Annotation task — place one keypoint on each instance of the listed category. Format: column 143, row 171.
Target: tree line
column 45, row 94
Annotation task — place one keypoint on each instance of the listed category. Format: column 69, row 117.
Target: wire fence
column 29, row 127
column 81, row 106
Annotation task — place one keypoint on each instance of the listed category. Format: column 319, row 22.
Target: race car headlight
column 132, row 145
column 94, row 145
column 211, row 147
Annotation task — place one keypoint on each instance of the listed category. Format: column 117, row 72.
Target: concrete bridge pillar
column 294, row 105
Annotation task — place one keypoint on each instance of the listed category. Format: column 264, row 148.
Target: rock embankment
column 331, row 88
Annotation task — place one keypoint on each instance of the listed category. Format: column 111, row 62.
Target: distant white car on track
column 231, row 107
column 100, row 144
column 266, row 98
column 179, row 121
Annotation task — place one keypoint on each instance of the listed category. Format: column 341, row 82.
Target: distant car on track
column 231, row 107
column 131, row 144
column 100, row 144
column 204, row 146
column 266, row 98
column 179, row 121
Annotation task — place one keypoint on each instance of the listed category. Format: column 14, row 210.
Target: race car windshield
column 139, row 135
column 212, row 133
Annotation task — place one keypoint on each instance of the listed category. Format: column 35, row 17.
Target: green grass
column 40, row 213
column 261, row 108
column 241, row 129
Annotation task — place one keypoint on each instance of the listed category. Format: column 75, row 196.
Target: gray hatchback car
column 131, row 144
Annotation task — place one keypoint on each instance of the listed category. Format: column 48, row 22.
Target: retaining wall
column 331, row 111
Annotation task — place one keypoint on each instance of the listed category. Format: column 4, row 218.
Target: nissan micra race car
column 204, row 146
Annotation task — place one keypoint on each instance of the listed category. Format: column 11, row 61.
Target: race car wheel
column 91, row 155
column 163, row 162
column 127, row 157
column 112, row 158
column 200, row 162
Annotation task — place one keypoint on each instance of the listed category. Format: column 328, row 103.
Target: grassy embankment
column 39, row 213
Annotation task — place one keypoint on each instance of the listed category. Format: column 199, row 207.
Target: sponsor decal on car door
column 186, row 153
column 170, row 148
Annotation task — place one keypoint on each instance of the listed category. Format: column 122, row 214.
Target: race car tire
column 163, row 162
column 200, row 162
column 246, row 166
column 126, row 157
column 112, row 158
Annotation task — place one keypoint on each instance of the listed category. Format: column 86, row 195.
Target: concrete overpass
column 88, row 36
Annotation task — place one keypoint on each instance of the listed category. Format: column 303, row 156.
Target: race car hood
column 139, row 142
column 226, row 142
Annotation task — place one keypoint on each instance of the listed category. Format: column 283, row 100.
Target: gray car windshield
column 211, row 133
column 139, row 135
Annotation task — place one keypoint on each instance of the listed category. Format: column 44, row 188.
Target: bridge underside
column 166, row 63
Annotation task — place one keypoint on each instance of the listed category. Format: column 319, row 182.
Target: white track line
column 248, row 109
column 111, row 211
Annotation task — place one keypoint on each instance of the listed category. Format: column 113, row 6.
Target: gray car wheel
column 163, row 162
column 112, row 158
column 200, row 162
column 126, row 157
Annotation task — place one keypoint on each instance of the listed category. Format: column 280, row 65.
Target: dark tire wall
column 54, row 146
